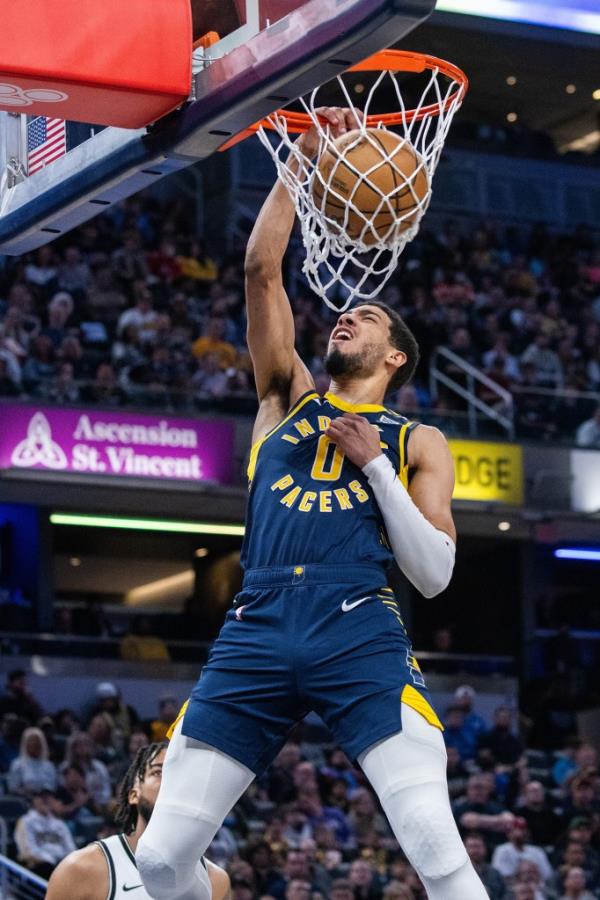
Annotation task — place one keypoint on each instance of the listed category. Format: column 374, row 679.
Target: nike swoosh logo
column 346, row 606
column 132, row 887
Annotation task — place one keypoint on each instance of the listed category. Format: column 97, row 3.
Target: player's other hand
column 336, row 119
column 356, row 438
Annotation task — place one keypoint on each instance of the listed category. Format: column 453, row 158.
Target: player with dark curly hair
column 106, row 869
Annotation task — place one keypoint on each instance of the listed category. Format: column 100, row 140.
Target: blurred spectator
column 457, row 774
column 141, row 644
column 64, row 389
column 141, row 317
column 105, row 297
column 364, row 817
column 508, row 857
column 11, row 730
column 505, row 747
column 60, row 309
column 73, row 274
column 575, row 886
column 18, row 699
column 491, row 878
column 212, row 341
column 72, row 798
column 104, row 389
column 543, row 822
column 168, row 708
column 121, row 716
column 528, row 883
column 79, row 751
column 474, row 725
column 546, row 363
column 574, row 759
column 456, row 734
column 9, row 387
column 588, row 433
column 364, row 880
column 42, row 839
column 477, row 812
column 107, row 746
column 32, row 771
column 118, row 769
column 280, row 776
column 40, row 366
column 341, row 889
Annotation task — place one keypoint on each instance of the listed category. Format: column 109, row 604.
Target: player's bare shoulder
column 220, row 883
column 427, row 447
column 82, row 875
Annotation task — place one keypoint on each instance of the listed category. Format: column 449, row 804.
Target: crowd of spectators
column 131, row 309
column 311, row 827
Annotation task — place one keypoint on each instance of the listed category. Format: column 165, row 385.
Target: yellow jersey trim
column 402, row 454
column 416, row 701
column 254, row 451
column 352, row 408
column 180, row 716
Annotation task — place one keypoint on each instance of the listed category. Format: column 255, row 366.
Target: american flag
column 46, row 141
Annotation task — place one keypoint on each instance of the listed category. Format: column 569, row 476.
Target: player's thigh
column 245, row 701
column 415, row 755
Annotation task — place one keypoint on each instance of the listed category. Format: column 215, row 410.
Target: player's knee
column 164, row 875
column 428, row 835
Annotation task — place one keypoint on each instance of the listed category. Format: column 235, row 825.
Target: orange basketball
column 395, row 170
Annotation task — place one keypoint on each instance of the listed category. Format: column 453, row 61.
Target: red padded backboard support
column 105, row 61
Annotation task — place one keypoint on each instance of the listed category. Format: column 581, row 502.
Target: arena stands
column 132, row 311
column 311, row 827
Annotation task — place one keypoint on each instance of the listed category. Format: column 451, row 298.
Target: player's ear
column 396, row 358
column 134, row 795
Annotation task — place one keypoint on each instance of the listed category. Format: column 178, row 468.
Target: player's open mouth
column 342, row 334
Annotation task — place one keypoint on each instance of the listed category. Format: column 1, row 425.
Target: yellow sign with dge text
column 488, row 472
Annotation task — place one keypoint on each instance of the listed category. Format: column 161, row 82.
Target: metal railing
column 17, row 883
column 502, row 414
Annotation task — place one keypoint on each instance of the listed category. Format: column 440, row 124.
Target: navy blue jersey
column 308, row 503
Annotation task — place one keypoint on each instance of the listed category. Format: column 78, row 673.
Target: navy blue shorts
column 324, row 638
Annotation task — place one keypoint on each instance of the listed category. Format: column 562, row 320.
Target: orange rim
column 385, row 60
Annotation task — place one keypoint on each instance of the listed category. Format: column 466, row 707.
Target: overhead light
column 511, row 117
column 75, row 561
column 596, row 94
column 511, row 80
column 173, row 589
column 504, row 526
column 571, row 88
column 83, row 521
column 587, row 143
column 359, row 88
column 201, row 552
column 587, row 554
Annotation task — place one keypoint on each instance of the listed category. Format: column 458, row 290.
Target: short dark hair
column 401, row 338
column 127, row 813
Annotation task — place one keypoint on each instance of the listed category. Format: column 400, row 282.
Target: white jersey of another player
column 123, row 875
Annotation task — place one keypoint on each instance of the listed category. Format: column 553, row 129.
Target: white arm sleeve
column 424, row 553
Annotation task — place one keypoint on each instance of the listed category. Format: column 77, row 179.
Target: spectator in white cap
column 121, row 717
column 474, row 724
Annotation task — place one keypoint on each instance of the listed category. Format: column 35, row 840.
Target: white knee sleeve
column 425, row 829
column 168, row 858
column 408, row 773
column 199, row 787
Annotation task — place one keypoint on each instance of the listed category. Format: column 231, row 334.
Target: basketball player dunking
column 340, row 485
column 106, row 870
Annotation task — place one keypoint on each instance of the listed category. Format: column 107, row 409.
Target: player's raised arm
column 270, row 320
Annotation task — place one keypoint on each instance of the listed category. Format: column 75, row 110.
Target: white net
column 363, row 196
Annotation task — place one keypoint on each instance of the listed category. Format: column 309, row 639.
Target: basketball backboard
column 268, row 53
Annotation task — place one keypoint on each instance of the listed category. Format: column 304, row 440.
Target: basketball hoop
column 349, row 263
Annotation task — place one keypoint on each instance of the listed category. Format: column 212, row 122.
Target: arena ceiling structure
column 547, row 77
